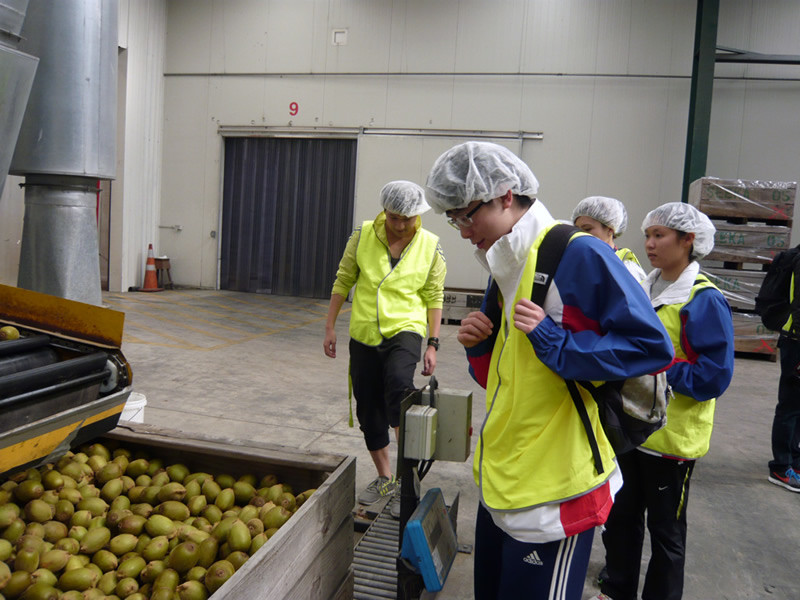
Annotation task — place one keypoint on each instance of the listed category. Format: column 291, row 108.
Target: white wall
column 607, row 83
column 135, row 212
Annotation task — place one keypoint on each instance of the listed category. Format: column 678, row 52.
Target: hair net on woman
column 608, row 211
column 404, row 198
column 684, row 217
column 477, row 171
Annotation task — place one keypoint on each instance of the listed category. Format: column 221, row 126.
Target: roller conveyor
column 63, row 382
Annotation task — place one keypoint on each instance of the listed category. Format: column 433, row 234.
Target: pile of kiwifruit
column 103, row 524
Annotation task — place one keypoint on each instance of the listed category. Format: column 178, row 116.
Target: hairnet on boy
column 404, row 198
column 477, row 171
column 684, row 217
column 608, row 211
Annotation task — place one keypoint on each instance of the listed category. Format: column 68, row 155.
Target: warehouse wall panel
column 607, row 83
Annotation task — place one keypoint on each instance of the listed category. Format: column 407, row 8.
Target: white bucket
column 134, row 408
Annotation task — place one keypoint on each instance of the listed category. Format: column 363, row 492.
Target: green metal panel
column 705, row 41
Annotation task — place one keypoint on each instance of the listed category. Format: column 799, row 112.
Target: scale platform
column 429, row 540
column 375, row 555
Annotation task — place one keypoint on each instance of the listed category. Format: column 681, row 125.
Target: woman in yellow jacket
column 398, row 271
column 656, row 476
column 606, row 219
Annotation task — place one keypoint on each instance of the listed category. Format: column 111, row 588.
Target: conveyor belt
column 375, row 559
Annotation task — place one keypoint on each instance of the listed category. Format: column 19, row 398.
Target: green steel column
column 705, row 42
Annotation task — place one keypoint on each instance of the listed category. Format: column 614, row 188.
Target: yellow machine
column 63, row 382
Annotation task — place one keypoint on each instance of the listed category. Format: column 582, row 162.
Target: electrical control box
column 454, row 430
column 421, row 424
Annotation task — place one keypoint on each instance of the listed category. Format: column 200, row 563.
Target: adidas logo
column 533, row 559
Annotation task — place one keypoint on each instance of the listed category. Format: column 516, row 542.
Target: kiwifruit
column 77, row 579
column 218, row 574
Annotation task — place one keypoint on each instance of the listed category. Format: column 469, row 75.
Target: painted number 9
column 294, row 108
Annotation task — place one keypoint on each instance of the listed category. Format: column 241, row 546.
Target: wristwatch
column 434, row 341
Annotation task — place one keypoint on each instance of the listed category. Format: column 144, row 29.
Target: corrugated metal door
column 287, row 213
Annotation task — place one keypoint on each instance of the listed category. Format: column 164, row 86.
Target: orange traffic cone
column 150, row 277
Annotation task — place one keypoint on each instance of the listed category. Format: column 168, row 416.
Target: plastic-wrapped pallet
column 754, row 223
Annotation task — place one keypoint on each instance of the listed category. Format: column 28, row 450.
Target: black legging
column 660, row 487
column 382, row 376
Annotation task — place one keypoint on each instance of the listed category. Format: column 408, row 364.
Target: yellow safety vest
column 689, row 423
column 626, row 254
column 787, row 327
column 533, row 449
column 387, row 300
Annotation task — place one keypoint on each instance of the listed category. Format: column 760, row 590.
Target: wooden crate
column 751, row 337
column 748, row 243
column 311, row 556
column 739, row 287
column 760, row 200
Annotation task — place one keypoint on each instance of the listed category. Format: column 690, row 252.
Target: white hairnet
column 684, row 217
column 477, row 171
column 609, row 211
column 404, row 198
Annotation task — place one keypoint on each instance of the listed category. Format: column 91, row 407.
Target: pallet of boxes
column 754, row 223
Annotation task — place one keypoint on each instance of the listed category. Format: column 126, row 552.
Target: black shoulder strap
column 547, row 258
column 587, row 423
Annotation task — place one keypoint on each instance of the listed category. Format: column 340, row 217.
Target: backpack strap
column 547, row 258
column 587, row 424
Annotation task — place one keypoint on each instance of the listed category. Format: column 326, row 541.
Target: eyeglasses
column 465, row 220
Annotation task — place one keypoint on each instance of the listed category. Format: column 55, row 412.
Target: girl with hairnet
column 398, row 271
column 606, row 219
column 541, row 492
column 656, row 475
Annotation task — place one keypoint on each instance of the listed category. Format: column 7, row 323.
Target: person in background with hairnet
column 657, row 474
column 541, row 494
column 398, row 271
column 606, row 219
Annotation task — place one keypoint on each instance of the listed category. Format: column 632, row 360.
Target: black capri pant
column 382, row 376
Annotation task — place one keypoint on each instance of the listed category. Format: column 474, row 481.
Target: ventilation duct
column 17, row 70
column 66, row 143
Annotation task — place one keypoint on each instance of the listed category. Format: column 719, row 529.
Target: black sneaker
column 789, row 479
column 380, row 487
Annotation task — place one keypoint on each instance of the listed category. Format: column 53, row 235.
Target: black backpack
column 631, row 410
column 772, row 301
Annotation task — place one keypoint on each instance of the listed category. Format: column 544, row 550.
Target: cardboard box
column 764, row 200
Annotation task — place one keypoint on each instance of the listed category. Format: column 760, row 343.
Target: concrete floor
column 250, row 366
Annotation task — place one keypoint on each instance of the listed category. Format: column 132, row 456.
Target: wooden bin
column 739, row 287
column 311, row 556
column 760, row 200
column 748, row 243
column 751, row 337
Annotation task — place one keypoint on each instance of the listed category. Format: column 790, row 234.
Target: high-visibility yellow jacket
column 689, row 422
column 388, row 300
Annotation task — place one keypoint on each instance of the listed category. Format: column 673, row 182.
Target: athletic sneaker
column 380, row 487
column 394, row 503
column 790, row 479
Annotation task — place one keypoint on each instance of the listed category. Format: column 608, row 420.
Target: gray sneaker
column 380, row 487
column 394, row 503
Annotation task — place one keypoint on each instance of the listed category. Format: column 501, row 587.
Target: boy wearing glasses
column 398, row 271
column 540, row 493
